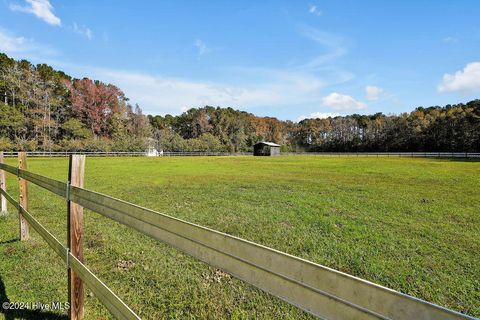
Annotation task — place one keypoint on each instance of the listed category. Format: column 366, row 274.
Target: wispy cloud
column 159, row 94
column 334, row 47
column 82, row 30
column 313, row 9
column 42, row 9
column 12, row 44
column 320, row 68
column 467, row 79
column 373, row 93
column 342, row 102
column 202, row 47
column 298, row 84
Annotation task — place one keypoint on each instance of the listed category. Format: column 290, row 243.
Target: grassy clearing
column 410, row 224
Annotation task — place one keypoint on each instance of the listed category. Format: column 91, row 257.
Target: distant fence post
column 75, row 237
column 23, row 190
column 3, row 186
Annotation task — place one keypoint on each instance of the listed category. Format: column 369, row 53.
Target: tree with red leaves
column 95, row 103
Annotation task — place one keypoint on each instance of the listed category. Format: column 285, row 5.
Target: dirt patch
column 217, row 276
column 94, row 241
column 124, row 265
column 10, row 251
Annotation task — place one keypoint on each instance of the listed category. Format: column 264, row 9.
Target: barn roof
column 270, row 144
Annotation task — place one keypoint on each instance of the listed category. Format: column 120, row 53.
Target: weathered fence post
column 3, row 186
column 23, row 188
column 75, row 236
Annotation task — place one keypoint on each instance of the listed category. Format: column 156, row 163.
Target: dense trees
column 449, row 128
column 45, row 109
column 225, row 128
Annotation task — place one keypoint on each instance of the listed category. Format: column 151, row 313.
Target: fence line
column 392, row 154
column 319, row 290
column 123, row 154
column 112, row 302
column 207, row 154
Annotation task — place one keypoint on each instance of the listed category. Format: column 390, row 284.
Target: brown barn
column 266, row 149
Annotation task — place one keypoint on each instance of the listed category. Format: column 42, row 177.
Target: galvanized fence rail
column 319, row 290
column 111, row 301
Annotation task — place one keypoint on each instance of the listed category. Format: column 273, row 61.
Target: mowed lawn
column 410, row 224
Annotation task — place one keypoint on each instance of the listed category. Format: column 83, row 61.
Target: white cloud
column 202, row 47
column 342, row 102
column 373, row 92
column 314, row 10
column 295, row 85
column 12, row 44
column 319, row 115
column 250, row 88
column 82, row 30
column 42, row 9
column 160, row 94
column 467, row 79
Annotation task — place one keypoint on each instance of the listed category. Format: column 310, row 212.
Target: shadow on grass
column 9, row 241
column 24, row 314
column 464, row 159
column 458, row 159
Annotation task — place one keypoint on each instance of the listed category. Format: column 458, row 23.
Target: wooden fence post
column 75, row 237
column 23, row 188
column 3, row 186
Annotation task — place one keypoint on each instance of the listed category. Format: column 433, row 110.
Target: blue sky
column 288, row 59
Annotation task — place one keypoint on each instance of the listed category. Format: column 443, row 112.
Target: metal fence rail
column 111, row 301
column 319, row 290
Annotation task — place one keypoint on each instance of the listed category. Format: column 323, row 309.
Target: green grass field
column 410, row 224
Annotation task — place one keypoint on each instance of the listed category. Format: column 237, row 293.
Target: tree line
column 47, row 110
